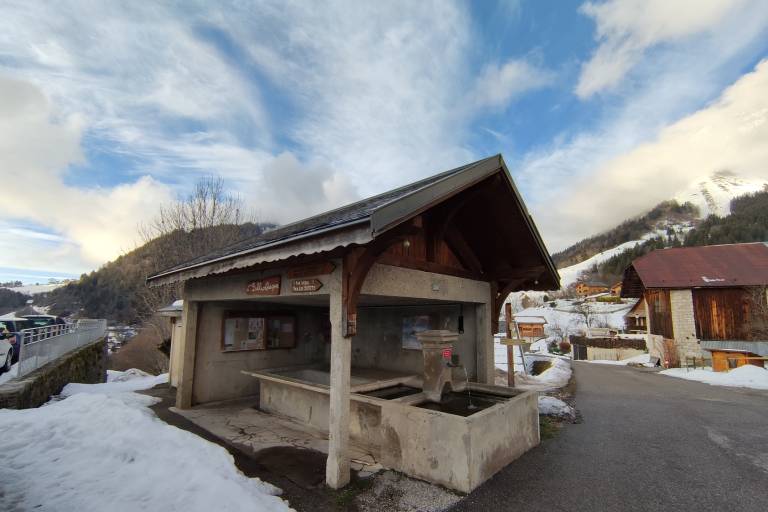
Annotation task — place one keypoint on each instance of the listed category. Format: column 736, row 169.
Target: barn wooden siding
column 660, row 313
column 722, row 314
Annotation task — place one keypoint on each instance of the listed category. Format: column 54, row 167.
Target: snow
column 556, row 376
column 747, row 376
column 643, row 359
column 31, row 289
column 10, row 374
column 569, row 275
column 101, row 448
column 551, row 406
column 713, row 194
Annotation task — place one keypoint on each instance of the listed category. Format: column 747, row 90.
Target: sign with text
column 316, row 269
column 266, row 286
column 305, row 285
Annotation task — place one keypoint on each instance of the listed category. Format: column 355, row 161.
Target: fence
column 44, row 344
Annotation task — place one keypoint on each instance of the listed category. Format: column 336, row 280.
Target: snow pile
column 747, row 376
column 556, row 376
column 102, row 449
column 551, row 406
column 643, row 359
column 10, row 374
column 118, row 382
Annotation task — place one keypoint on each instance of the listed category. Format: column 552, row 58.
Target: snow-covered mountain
column 712, row 194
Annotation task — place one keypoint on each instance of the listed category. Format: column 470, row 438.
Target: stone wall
column 684, row 323
column 87, row 365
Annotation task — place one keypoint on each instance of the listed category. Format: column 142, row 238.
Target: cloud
column 730, row 134
column 90, row 224
column 498, row 84
column 625, row 29
column 291, row 190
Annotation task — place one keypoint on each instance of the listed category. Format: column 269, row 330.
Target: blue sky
column 601, row 109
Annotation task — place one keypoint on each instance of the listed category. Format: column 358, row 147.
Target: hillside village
column 408, row 257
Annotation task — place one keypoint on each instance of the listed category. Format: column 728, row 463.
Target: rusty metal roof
column 708, row 266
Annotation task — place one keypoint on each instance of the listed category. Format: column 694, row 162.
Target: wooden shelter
column 349, row 290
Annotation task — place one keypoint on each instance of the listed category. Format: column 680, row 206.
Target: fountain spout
column 437, row 348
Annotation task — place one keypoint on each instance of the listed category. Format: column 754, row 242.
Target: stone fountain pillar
column 436, row 347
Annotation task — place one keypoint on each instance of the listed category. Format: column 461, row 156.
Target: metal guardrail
column 42, row 345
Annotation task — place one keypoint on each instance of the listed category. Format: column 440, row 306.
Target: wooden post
column 510, row 348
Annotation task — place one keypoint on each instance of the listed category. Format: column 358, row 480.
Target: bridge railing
column 42, row 345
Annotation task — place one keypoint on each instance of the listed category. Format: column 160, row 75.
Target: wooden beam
column 463, row 251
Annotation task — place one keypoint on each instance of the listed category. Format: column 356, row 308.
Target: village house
column 704, row 300
column 584, row 289
column 530, row 327
column 616, row 289
column 366, row 321
column 635, row 320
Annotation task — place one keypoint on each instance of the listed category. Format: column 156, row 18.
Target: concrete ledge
column 87, row 365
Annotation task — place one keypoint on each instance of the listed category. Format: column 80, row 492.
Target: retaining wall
column 87, row 365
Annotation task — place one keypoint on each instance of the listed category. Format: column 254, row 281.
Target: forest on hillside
column 631, row 229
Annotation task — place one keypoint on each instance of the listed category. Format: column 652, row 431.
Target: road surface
column 647, row 443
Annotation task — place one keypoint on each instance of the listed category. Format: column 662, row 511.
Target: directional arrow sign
column 305, row 285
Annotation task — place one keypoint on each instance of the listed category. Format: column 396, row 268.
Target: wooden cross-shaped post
column 510, row 348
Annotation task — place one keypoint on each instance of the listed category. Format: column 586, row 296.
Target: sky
column 601, row 109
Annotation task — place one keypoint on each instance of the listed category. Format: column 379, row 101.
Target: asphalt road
column 647, row 442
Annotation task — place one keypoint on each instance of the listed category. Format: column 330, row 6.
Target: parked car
column 6, row 355
column 10, row 330
column 45, row 320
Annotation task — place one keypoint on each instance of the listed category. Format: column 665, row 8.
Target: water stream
column 469, row 392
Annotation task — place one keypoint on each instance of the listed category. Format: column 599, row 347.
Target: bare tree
column 206, row 219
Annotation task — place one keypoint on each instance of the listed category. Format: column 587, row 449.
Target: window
column 257, row 331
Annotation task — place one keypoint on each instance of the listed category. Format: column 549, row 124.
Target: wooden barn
column 703, row 300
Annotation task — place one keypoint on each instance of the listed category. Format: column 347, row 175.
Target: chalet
column 702, row 300
column 358, row 321
column 584, row 289
column 616, row 289
column 636, row 320
column 530, row 327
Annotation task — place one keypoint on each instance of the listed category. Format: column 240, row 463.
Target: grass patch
column 548, row 428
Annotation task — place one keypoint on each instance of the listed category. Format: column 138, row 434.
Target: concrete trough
column 456, row 451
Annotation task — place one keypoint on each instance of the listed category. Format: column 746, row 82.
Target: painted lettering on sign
column 305, row 285
column 316, row 269
column 266, row 286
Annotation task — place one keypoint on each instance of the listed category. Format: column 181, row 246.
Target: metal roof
column 368, row 217
column 710, row 266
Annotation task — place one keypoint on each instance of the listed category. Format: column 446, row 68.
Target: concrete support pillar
column 186, row 373
column 485, row 366
column 684, row 323
column 337, row 465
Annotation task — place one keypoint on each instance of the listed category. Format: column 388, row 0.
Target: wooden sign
column 305, row 285
column 516, row 342
column 266, row 286
column 316, row 269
